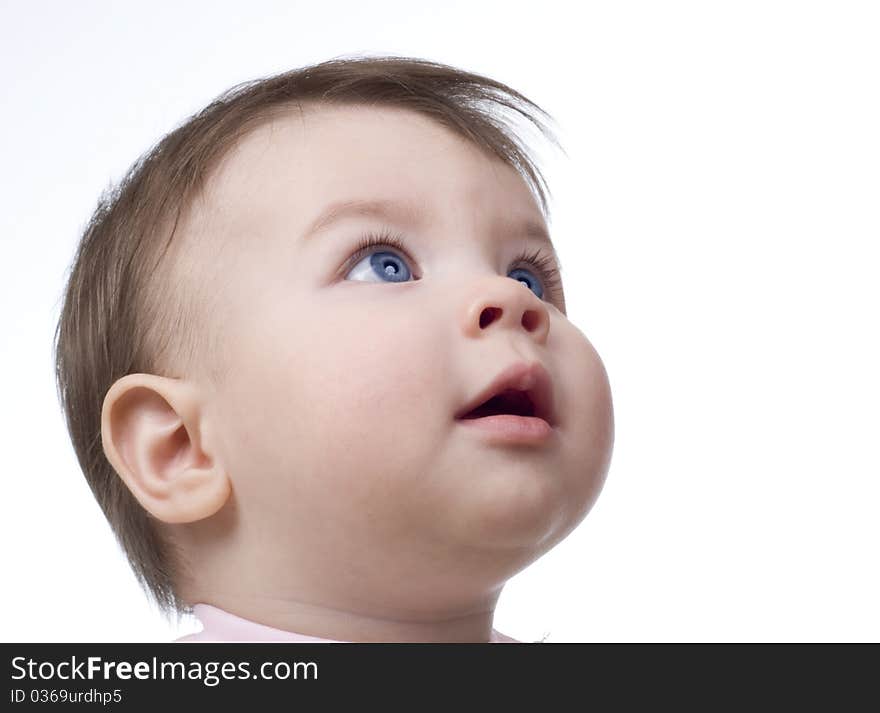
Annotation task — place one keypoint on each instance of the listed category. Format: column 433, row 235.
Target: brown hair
column 122, row 314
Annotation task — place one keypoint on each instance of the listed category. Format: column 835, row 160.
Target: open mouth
column 522, row 395
column 511, row 401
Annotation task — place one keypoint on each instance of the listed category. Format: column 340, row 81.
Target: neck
column 348, row 624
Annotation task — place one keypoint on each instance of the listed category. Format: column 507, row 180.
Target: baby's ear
column 152, row 431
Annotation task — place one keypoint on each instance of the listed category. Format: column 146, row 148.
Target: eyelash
column 544, row 264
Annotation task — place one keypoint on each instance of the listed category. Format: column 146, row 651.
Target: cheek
column 588, row 426
column 352, row 401
column 377, row 388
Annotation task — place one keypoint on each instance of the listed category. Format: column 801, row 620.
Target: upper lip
column 532, row 378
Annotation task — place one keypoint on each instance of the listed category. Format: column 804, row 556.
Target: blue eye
column 529, row 282
column 372, row 264
column 382, row 264
column 549, row 282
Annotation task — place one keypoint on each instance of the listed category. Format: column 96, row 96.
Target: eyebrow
column 409, row 214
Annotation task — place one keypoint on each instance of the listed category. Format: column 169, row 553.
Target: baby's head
column 276, row 324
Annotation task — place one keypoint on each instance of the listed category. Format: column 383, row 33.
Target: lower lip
column 507, row 428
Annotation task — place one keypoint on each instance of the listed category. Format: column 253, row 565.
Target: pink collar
column 220, row 625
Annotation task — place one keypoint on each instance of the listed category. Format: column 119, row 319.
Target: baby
column 316, row 366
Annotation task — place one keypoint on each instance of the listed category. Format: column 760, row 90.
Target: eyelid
column 371, row 241
column 547, row 267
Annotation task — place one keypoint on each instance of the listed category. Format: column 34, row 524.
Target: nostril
column 489, row 315
column 531, row 320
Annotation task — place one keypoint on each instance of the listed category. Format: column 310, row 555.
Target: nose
column 504, row 303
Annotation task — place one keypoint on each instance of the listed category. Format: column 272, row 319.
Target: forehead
column 287, row 173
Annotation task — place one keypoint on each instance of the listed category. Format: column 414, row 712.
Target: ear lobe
column 151, row 428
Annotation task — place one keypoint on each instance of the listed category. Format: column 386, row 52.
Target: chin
column 524, row 517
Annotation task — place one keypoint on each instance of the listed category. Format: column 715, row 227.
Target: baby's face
column 352, row 478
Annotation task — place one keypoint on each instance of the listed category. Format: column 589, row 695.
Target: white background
column 717, row 216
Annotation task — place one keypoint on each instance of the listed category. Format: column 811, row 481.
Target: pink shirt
column 220, row 625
